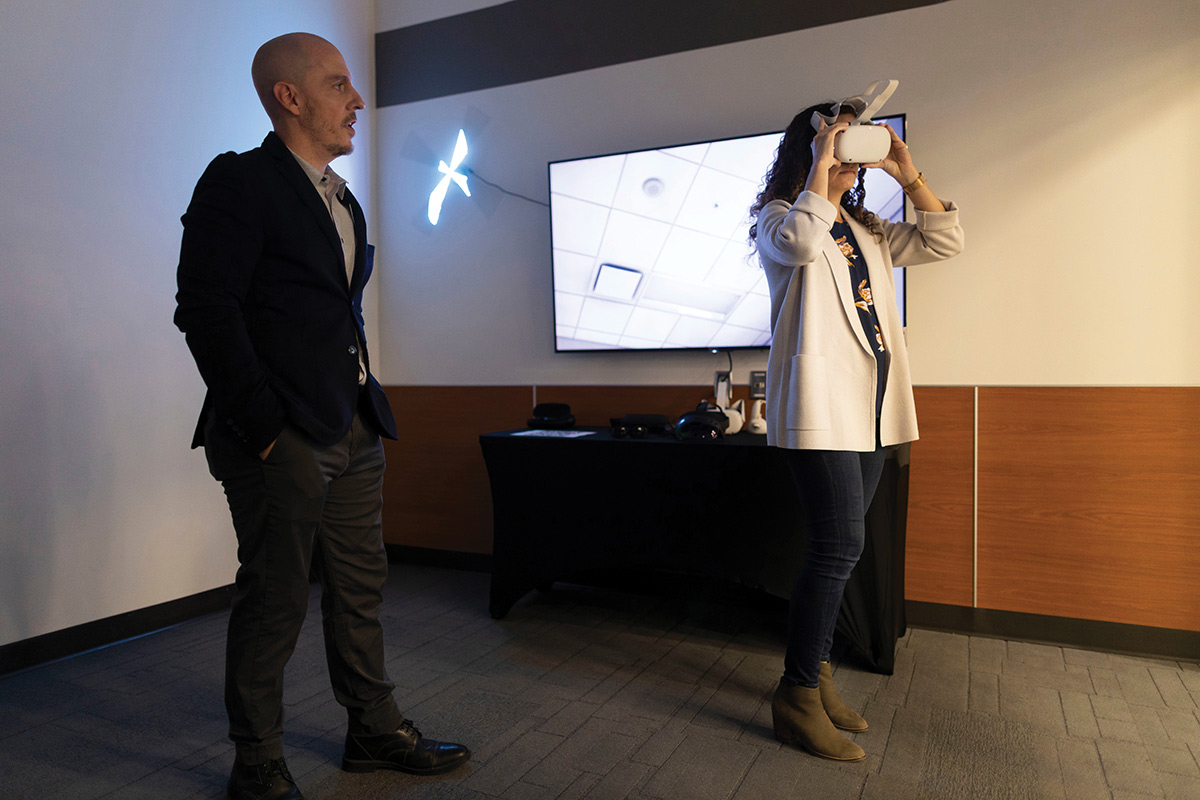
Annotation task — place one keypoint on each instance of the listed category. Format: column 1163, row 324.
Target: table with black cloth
column 725, row 508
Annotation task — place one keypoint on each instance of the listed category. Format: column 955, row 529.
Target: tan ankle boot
column 800, row 721
column 840, row 714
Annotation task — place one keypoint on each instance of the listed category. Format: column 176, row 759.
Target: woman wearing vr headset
column 838, row 383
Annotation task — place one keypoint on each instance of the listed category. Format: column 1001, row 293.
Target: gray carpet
column 599, row 694
column 980, row 757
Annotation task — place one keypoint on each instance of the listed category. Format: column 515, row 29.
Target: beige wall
column 111, row 112
column 1065, row 130
column 1080, row 268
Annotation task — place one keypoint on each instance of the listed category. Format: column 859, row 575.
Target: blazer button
column 352, row 350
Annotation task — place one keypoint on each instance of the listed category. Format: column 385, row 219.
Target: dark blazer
column 265, row 307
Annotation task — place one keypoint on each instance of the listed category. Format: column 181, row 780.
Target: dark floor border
column 1086, row 634
column 1082, row 633
column 110, row 630
column 78, row 639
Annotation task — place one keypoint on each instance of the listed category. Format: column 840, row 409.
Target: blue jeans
column 835, row 489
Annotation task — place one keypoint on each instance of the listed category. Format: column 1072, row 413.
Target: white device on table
column 862, row 142
column 736, row 413
column 757, row 423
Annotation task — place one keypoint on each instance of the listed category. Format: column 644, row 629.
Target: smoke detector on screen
column 653, row 187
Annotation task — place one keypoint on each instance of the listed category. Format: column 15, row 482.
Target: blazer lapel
column 293, row 173
column 361, row 263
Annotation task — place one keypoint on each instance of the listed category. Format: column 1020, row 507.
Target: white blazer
column 821, row 371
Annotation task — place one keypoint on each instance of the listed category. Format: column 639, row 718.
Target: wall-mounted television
column 650, row 247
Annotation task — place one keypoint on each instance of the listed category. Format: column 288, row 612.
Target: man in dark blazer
column 271, row 274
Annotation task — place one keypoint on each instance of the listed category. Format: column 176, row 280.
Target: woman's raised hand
column 823, row 142
column 898, row 163
column 817, row 181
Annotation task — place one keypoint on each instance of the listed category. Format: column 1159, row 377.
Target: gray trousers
column 305, row 507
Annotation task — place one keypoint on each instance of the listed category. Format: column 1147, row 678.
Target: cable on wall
column 500, row 188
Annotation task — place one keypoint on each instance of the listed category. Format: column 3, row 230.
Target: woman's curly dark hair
column 793, row 161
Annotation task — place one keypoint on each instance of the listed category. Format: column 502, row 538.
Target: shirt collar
column 328, row 183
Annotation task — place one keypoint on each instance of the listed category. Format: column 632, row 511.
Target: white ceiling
column 678, row 216
column 670, row 228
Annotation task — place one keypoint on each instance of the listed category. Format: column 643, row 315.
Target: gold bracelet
column 917, row 184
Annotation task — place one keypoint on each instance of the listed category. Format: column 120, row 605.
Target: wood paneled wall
column 940, row 552
column 436, row 493
column 596, row 405
column 1088, row 498
column 1089, row 503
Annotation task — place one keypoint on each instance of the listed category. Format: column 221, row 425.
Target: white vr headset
column 862, row 142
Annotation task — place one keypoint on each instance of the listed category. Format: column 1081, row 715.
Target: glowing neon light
column 449, row 173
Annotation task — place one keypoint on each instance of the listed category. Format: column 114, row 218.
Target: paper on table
column 555, row 434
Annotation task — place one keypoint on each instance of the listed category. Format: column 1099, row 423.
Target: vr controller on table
column 863, row 142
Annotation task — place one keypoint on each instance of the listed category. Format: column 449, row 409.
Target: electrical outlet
column 758, row 384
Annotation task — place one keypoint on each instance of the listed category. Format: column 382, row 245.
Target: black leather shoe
column 269, row 781
column 404, row 749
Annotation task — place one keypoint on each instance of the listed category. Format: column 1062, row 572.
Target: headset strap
column 863, row 111
column 879, row 99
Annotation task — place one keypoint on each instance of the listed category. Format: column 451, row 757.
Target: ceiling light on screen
column 619, row 283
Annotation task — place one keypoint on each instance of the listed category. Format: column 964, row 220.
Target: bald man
column 271, row 274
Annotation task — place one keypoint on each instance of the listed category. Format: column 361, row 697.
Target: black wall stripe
column 524, row 40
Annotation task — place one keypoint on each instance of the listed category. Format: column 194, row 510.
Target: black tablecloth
column 725, row 508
